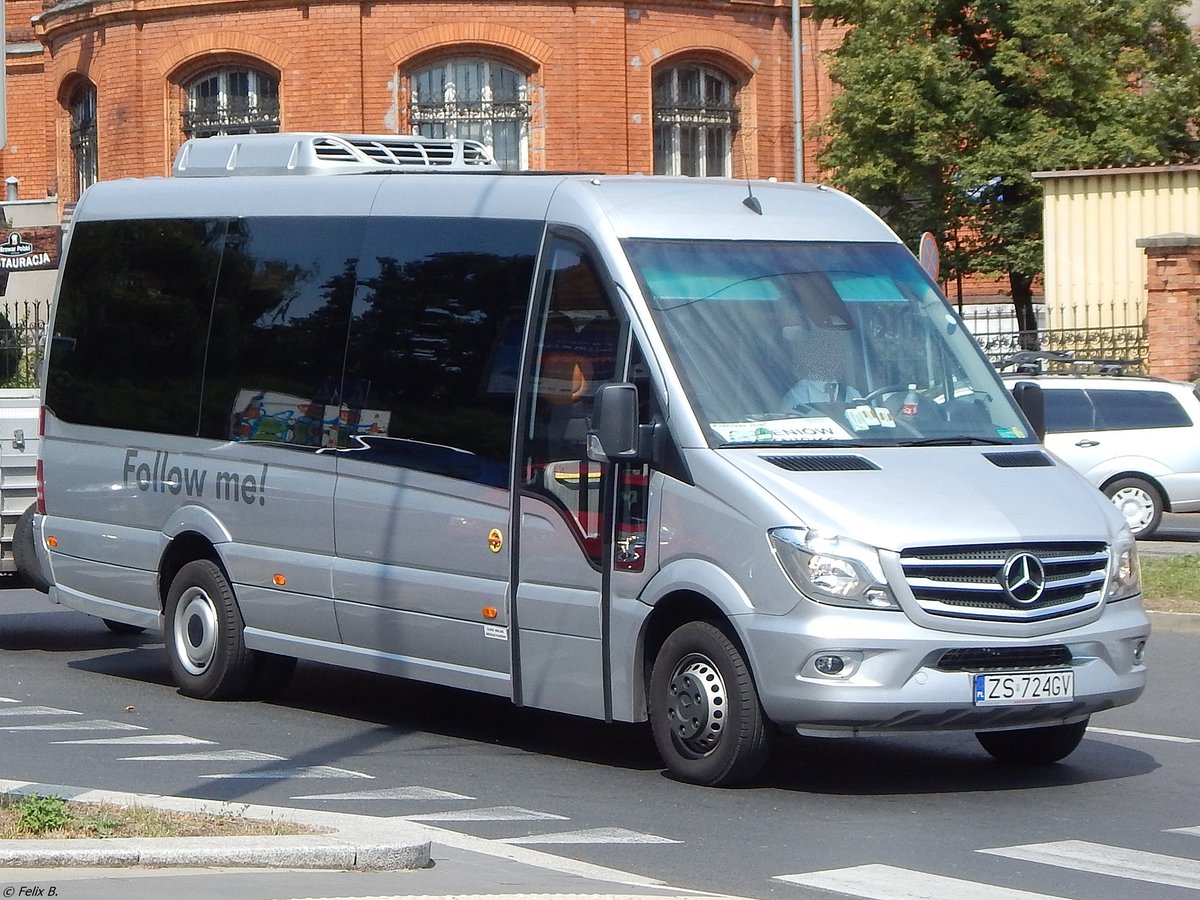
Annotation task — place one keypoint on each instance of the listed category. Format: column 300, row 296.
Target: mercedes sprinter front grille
column 1006, row 583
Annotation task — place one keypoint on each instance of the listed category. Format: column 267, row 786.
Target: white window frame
column 471, row 110
column 84, row 136
column 698, row 120
column 255, row 113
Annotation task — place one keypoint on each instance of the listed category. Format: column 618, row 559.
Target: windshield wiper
column 959, row 440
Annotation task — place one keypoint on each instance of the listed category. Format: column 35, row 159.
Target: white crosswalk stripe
column 207, row 756
column 148, row 740
column 296, row 772
column 592, row 836
column 399, row 793
column 89, row 725
column 37, row 711
column 1103, row 859
column 491, row 814
column 879, row 882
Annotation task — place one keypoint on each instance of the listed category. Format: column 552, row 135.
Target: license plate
column 1019, row 688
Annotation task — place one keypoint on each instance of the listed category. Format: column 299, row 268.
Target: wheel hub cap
column 195, row 631
column 697, row 703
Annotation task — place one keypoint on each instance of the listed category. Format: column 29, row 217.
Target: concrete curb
column 1174, row 622
column 347, row 841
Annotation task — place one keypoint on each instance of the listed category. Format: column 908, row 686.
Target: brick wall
column 341, row 67
column 1173, row 305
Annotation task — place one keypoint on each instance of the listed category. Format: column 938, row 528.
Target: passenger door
column 565, row 538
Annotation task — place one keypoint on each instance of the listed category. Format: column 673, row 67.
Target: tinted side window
column 278, row 336
column 1068, row 410
column 1121, row 410
column 133, row 310
column 435, row 344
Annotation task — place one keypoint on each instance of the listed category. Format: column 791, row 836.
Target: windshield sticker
column 1014, row 433
column 862, row 418
column 817, row 428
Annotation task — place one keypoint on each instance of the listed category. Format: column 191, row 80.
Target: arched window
column 694, row 121
column 473, row 99
column 82, row 104
column 231, row 101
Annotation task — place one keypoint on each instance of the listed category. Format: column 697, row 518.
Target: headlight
column 832, row 569
column 1124, row 572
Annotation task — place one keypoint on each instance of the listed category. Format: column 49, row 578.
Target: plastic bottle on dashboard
column 909, row 408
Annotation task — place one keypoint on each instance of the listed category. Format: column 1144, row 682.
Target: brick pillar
column 1173, row 305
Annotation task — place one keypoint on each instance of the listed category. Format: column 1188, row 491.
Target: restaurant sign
column 30, row 249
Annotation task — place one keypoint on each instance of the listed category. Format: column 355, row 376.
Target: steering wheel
column 878, row 393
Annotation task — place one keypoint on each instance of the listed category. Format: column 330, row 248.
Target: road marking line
column 38, row 711
column 879, row 882
column 207, row 756
column 90, row 725
column 1193, row 829
column 400, row 793
column 146, row 739
column 1102, row 859
column 592, row 836
column 490, row 814
column 8, row 700
column 297, row 772
column 1144, row 735
column 519, row 896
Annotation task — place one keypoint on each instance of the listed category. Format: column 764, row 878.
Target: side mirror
column 614, row 435
column 1032, row 402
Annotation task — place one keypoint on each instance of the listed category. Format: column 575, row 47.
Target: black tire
column 203, row 634
column 24, row 551
column 122, row 627
column 1033, row 746
column 705, row 714
column 1139, row 501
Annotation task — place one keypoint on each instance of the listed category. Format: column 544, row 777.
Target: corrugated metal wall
column 1095, row 273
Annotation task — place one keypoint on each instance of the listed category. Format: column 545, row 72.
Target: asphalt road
column 1178, row 534
column 81, row 706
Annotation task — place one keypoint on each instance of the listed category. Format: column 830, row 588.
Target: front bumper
column 896, row 681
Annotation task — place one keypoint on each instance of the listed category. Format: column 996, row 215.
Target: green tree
column 948, row 109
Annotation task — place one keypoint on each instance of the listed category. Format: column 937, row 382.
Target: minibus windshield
column 820, row 343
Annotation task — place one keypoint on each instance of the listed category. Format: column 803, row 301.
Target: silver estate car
column 1136, row 438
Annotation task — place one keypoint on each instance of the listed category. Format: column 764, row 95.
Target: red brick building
column 110, row 88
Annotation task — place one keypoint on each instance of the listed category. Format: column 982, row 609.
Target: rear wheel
column 1139, row 502
column 704, row 710
column 1033, row 746
column 205, row 647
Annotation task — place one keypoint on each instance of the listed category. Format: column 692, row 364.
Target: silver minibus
column 709, row 453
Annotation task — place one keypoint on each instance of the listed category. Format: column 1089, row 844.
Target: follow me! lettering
column 162, row 476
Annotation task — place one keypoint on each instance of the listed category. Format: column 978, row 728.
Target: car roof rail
column 1033, row 362
column 322, row 153
column 1040, row 362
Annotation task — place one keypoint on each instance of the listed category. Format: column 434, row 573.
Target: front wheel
column 704, row 710
column 1140, row 503
column 1033, row 746
column 205, row 647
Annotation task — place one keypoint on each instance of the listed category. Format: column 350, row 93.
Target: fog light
column 1139, row 652
column 829, row 665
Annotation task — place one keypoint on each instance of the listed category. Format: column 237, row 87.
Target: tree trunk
column 1022, row 295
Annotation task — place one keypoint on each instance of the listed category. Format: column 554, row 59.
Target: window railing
column 208, row 117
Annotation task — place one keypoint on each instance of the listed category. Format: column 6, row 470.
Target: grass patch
column 53, row 817
column 1171, row 583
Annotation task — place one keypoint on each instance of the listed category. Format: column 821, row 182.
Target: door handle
column 1087, row 443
